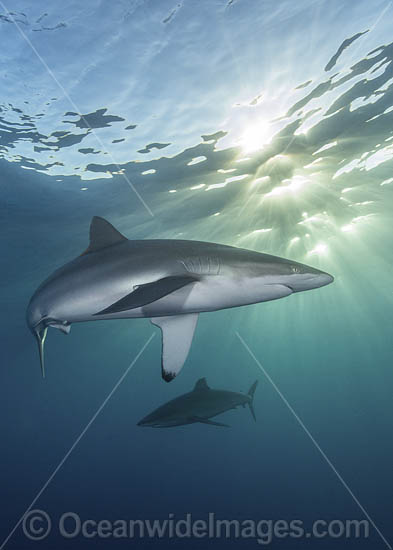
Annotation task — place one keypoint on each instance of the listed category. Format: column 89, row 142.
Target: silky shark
column 168, row 281
column 199, row 405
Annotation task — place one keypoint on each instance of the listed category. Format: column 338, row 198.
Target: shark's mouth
column 290, row 288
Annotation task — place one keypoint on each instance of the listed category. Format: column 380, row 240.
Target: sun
column 256, row 136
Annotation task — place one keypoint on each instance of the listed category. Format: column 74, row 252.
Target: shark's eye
column 295, row 269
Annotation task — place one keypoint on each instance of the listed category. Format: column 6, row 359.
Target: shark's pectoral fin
column 177, row 333
column 148, row 293
column 208, row 421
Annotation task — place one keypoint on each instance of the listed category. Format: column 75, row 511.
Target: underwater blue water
column 209, row 91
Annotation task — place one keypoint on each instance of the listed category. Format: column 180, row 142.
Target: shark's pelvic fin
column 64, row 327
column 208, row 421
column 102, row 235
column 177, row 333
column 201, row 385
column 148, row 293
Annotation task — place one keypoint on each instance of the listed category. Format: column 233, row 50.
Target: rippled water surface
column 256, row 123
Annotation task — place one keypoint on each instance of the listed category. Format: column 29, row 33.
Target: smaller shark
column 198, row 405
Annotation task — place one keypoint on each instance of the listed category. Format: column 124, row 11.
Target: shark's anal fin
column 208, row 421
column 177, row 334
column 148, row 293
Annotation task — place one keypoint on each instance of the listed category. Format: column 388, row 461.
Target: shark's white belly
column 216, row 293
column 209, row 294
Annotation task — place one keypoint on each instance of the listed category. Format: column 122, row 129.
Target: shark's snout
column 147, row 421
column 145, row 424
column 319, row 279
column 324, row 279
column 155, row 420
column 309, row 281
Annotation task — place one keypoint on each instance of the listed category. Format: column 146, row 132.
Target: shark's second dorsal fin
column 201, row 385
column 102, row 235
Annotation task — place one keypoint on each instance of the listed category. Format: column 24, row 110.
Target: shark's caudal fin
column 41, row 335
column 177, row 334
column 102, row 235
column 251, row 392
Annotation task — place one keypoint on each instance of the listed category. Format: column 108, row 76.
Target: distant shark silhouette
column 199, row 405
column 168, row 281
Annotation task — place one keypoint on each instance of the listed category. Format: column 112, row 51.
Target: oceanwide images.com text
column 38, row 525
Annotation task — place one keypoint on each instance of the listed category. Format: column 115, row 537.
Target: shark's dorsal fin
column 201, row 385
column 102, row 235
